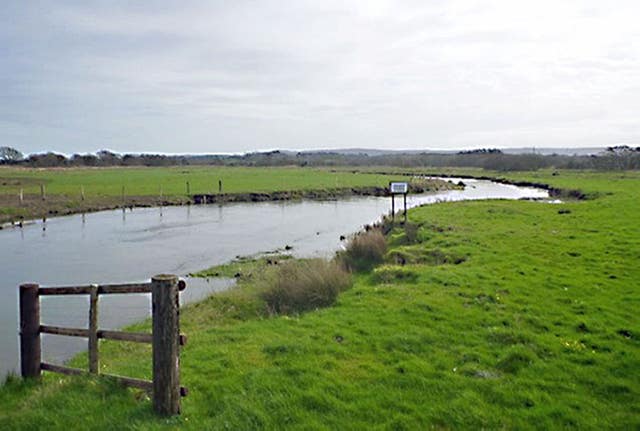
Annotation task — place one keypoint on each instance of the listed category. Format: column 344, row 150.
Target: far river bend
column 120, row 247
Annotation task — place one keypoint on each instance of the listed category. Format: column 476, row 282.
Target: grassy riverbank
column 507, row 314
column 103, row 187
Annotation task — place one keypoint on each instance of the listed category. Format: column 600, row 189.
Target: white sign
column 399, row 188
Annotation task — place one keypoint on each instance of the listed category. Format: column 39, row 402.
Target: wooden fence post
column 94, row 364
column 166, row 344
column 393, row 206
column 30, row 330
column 405, row 207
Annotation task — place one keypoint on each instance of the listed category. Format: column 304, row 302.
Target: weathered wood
column 21, row 196
column 166, row 338
column 145, row 385
column 188, row 188
column 127, row 381
column 104, row 289
column 30, row 354
column 82, row 192
column 61, row 369
column 393, row 206
column 135, row 337
column 94, row 364
column 405, row 207
column 69, row 332
column 67, row 290
column 166, row 332
column 131, row 382
column 42, row 192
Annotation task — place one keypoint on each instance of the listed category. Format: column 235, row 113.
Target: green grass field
column 142, row 181
column 535, row 327
column 153, row 186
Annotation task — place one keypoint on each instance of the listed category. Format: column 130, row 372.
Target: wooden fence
column 165, row 337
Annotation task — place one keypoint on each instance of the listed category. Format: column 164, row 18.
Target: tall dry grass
column 364, row 251
column 302, row 285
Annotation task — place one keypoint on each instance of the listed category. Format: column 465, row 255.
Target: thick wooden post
column 166, row 345
column 94, row 364
column 30, row 330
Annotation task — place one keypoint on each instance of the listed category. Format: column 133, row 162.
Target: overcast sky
column 234, row 76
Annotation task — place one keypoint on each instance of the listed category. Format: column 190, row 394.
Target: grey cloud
column 233, row 76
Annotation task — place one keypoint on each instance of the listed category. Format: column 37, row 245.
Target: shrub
column 364, row 251
column 303, row 285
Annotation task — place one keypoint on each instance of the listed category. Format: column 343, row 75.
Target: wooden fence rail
column 165, row 337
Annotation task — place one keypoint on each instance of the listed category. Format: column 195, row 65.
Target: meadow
column 502, row 315
column 144, row 186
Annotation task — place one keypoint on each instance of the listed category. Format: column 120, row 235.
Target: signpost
column 398, row 188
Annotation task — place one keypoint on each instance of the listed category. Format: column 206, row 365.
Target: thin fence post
column 42, row 192
column 166, row 347
column 188, row 188
column 21, row 196
column 30, row 356
column 405, row 207
column 94, row 364
column 393, row 206
column 82, row 192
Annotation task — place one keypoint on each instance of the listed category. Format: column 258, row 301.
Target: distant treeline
column 613, row 158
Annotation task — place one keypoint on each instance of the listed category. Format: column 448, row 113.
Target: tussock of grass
column 303, row 285
column 364, row 251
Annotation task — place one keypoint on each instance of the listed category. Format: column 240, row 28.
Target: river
column 130, row 246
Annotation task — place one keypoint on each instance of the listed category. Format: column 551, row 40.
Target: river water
column 131, row 246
